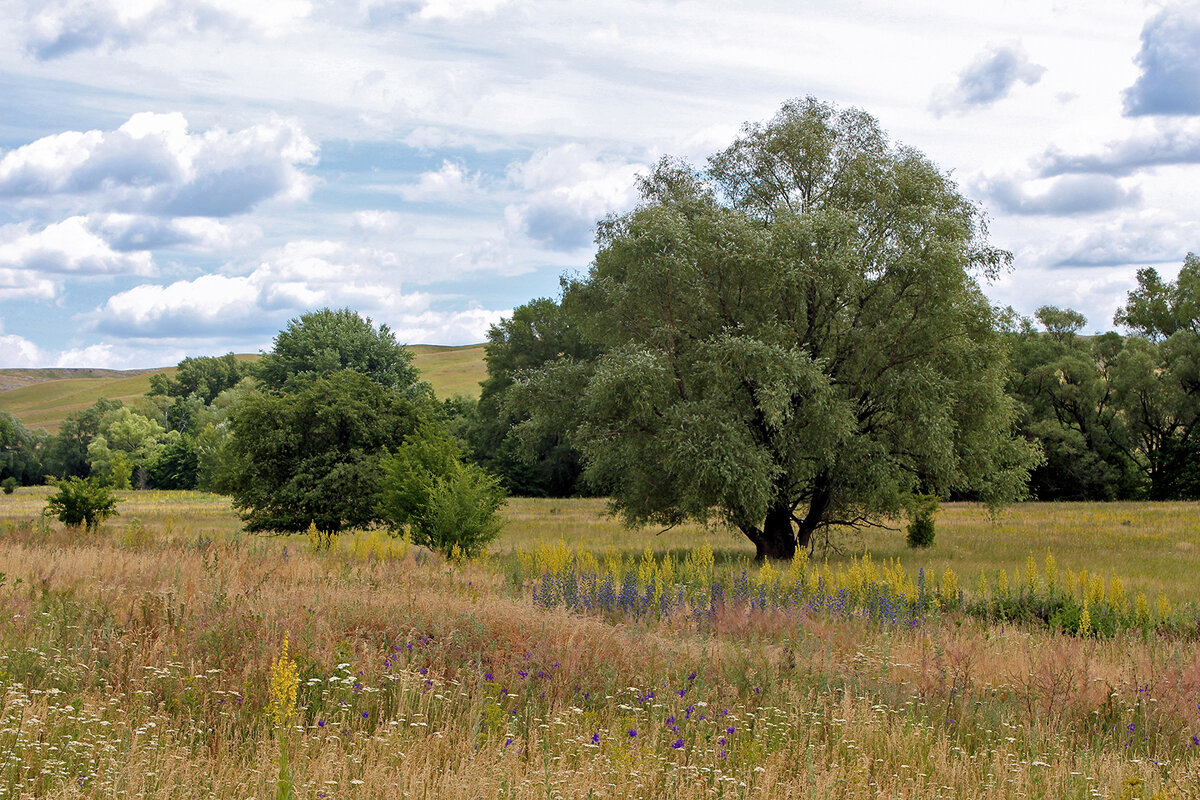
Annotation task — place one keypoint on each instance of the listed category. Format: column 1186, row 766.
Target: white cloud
column 568, row 191
column 142, row 232
column 450, row 183
column 376, row 221
column 455, row 10
column 468, row 326
column 300, row 276
column 17, row 352
column 1170, row 62
column 60, row 27
column 1065, row 196
column 153, row 164
column 67, row 247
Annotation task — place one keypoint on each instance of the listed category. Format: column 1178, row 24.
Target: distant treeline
column 1115, row 415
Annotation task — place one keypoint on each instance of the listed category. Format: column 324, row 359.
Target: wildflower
column 671, row 720
column 692, row 676
column 282, row 691
column 366, row 714
column 678, row 745
column 320, row 723
column 632, row 733
column 721, row 741
column 487, row 676
column 596, row 738
column 731, row 730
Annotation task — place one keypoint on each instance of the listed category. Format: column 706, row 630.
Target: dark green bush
column 8, row 484
column 922, row 507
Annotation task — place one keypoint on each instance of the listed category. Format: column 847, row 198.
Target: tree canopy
column 537, row 333
column 312, row 455
column 326, row 341
column 792, row 339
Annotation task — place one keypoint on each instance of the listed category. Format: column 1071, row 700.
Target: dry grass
column 135, row 663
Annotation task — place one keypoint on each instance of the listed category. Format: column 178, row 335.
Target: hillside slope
column 42, row 398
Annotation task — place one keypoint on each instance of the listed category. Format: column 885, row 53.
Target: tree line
column 792, row 338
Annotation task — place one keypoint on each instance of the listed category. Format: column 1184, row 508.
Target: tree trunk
column 822, row 497
column 777, row 540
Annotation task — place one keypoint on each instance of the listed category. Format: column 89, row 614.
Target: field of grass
column 44, row 398
column 453, row 371
column 138, row 662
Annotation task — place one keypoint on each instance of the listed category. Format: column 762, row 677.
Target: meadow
column 148, row 660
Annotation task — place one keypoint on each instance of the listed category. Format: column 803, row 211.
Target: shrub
column 81, row 502
column 8, row 484
column 445, row 504
column 921, row 509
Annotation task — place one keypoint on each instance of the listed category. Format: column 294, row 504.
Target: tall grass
column 138, row 662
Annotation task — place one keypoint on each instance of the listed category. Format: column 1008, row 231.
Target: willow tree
column 793, row 338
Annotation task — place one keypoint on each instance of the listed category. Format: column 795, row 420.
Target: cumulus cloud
column 452, row 182
column 1138, row 240
column 126, row 232
column 300, row 276
column 568, row 191
column 1170, row 62
column 1177, row 144
column 988, row 79
column 67, row 247
column 1074, row 194
column 60, row 27
column 17, row 352
column 153, row 164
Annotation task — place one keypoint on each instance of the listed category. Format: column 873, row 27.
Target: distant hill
column 42, row 398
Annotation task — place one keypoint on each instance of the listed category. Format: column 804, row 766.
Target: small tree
column 81, row 502
column 447, row 505
column 9, row 484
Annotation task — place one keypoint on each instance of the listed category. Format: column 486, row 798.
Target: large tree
column 312, row 455
column 1157, row 379
column 793, row 339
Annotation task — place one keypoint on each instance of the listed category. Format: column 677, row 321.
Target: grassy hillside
column 452, row 370
column 44, row 397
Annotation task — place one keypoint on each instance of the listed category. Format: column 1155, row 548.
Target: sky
column 182, row 177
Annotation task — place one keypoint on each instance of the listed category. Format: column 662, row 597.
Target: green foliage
column 447, row 505
column 323, row 342
column 921, row 511
column 67, row 451
column 312, row 455
column 78, row 502
column 1063, row 382
column 9, row 484
column 175, row 465
column 202, row 376
column 538, row 333
column 20, row 451
column 793, row 338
